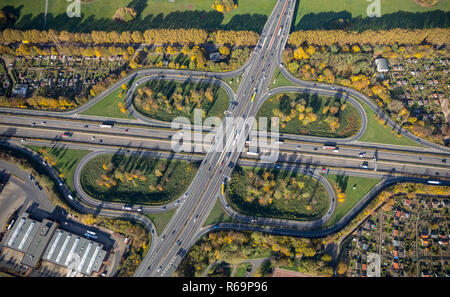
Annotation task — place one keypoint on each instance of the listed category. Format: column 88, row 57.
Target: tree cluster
column 224, row 5
column 151, row 36
column 232, row 246
column 435, row 36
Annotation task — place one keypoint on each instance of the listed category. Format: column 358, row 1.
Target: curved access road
column 285, row 223
column 75, row 203
column 141, row 208
column 335, row 90
column 324, row 92
column 179, row 74
column 183, row 78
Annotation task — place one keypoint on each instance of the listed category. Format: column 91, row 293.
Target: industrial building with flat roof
column 44, row 241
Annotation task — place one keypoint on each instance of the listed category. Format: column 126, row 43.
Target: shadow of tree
column 344, row 20
column 188, row 19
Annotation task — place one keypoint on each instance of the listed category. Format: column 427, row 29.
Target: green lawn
column 358, row 8
column 280, row 80
column 352, row 196
column 97, row 15
column 161, row 219
column 380, row 133
column 348, row 119
column 233, row 82
column 161, row 105
column 240, row 271
column 66, row 160
column 136, row 179
column 277, row 194
column 217, row 215
column 109, row 107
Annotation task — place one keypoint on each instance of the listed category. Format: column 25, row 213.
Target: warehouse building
column 44, row 241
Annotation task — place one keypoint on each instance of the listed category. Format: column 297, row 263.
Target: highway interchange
column 153, row 138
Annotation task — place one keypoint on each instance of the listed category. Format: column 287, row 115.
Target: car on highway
column 67, row 134
column 140, row 208
column 361, row 154
column 93, row 137
column 365, row 165
column 31, row 177
column 33, row 124
column 153, row 231
column 159, row 269
column 195, row 219
column 178, row 242
column 44, row 122
column 23, row 140
column 70, row 197
column 163, row 208
column 126, row 207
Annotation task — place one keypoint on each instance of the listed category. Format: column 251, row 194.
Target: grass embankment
column 241, row 269
column 63, row 159
column 111, row 106
column 312, row 115
column 346, row 184
column 277, row 194
column 233, row 82
column 378, row 131
column 161, row 219
column 136, row 179
column 280, row 80
column 217, row 215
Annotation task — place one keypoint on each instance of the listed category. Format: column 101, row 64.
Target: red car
column 67, row 134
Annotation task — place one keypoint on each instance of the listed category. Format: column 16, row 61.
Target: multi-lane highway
column 203, row 191
column 153, row 138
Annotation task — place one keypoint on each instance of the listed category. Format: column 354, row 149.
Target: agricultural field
column 136, row 179
column 277, row 194
column 352, row 14
column 165, row 100
column 312, row 115
column 95, row 15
